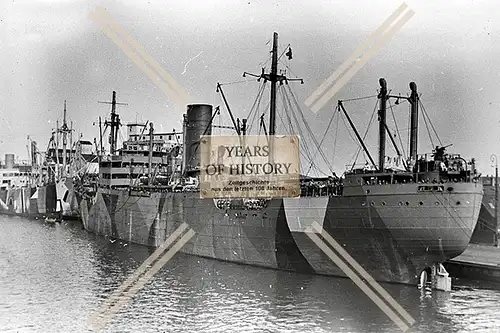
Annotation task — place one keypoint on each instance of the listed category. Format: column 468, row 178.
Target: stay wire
column 366, row 133
column 326, row 131
column 310, row 131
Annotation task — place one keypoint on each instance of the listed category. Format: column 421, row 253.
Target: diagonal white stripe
column 316, row 94
column 127, row 296
column 364, row 274
column 145, row 265
column 140, row 270
column 354, row 277
column 137, row 59
column 358, row 65
column 147, row 57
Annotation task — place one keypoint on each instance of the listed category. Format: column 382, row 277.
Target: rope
column 364, row 136
column 256, row 106
column 235, row 82
column 359, row 98
column 426, row 114
column 301, row 133
column 310, row 131
column 428, row 131
column 335, row 140
column 397, row 130
column 324, row 135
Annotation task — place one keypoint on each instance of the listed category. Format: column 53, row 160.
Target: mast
column 413, row 121
column 495, row 236
column 114, row 123
column 71, row 142
column 150, row 158
column 100, row 150
column 273, row 79
column 381, row 117
column 65, row 141
column 57, row 167
column 243, row 127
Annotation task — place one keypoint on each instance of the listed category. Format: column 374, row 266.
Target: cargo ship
column 399, row 221
column 47, row 189
column 14, row 186
column 488, row 228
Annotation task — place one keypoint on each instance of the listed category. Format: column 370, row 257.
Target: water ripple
column 53, row 277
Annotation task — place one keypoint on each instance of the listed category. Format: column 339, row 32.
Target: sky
column 52, row 51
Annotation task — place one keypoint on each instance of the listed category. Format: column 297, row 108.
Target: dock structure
column 476, row 262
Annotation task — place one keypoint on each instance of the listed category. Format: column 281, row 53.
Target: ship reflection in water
column 53, row 277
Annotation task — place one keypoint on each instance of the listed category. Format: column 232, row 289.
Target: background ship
column 49, row 180
column 487, row 228
column 398, row 221
column 15, row 189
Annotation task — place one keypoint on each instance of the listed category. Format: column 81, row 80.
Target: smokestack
column 196, row 123
column 9, row 161
column 413, row 121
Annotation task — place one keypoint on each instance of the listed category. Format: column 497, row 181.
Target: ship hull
column 392, row 240
column 485, row 230
column 37, row 202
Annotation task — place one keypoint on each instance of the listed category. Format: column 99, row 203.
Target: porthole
column 458, row 203
column 421, row 203
column 372, row 203
column 407, row 203
column 367, row 191
column 383, row 203
column 400, row 203
column 363, row 203
column 437, row 203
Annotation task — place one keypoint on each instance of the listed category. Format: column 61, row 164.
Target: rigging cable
column 335, row 140
column 428, row 130
column 301, row 133
column 364, row 136
column 397, row 129
column 256, row 104
column 310, row 131
column 425, row 112
column 286, row 113
column 235, row 82
column 326, row 131
column 359, row 98
column 299, row 128
column 290, row 130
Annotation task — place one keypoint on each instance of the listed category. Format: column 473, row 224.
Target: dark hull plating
column 484, row 233
column 37, row 202
column 394, row 233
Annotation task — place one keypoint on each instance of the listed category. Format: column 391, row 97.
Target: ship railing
column 320, row 189
column 418, row 178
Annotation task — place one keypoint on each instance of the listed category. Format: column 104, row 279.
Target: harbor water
column 52, row 278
